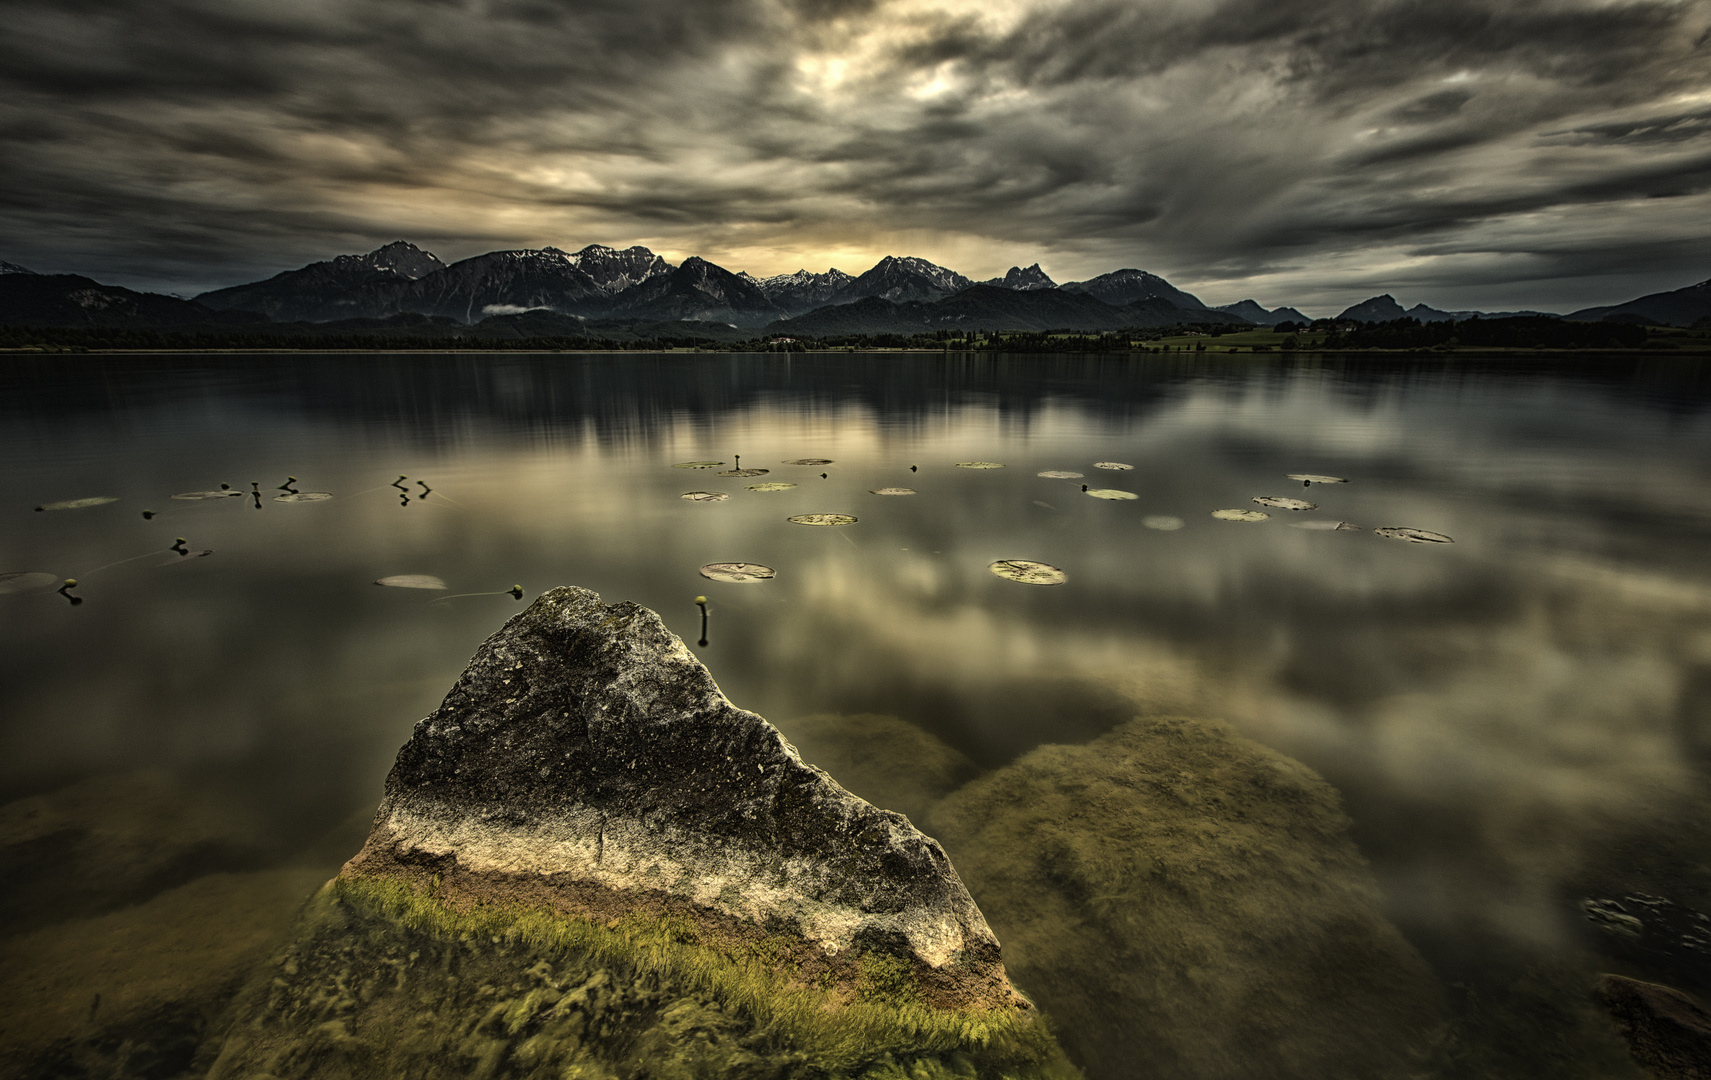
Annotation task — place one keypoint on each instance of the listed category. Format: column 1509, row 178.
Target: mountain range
column 899, row 294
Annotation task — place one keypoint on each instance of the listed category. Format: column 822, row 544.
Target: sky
column 1493, row 154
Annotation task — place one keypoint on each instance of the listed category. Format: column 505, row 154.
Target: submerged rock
column 109, row 842
column 1667, row 1031
column 1192, row 905
column 588, row 859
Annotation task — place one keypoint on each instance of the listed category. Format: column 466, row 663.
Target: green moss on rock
column 384, row 981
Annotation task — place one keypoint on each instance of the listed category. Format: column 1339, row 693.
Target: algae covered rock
column 1191, row 905
column 588, row 862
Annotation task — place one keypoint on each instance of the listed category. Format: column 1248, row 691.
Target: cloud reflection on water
column 1496, row 713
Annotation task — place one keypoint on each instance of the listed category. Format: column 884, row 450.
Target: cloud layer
column 1547, row 153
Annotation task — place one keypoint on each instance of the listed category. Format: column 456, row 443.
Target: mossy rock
column 382, row 981
column 1191, row 905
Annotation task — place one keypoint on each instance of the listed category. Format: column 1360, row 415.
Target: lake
column 1516, row 722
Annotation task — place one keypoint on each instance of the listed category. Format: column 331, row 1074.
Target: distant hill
column 28, row 299
column 344, row 287
column 1682, row 307
column 401, row 277
column 1385, row 309
column 901, row 279
column 991, row 307
column 13, row 268
column 697, row 290
column 801, row 291
column 1259, row 316
column 1023, row 280
column 1128, row 286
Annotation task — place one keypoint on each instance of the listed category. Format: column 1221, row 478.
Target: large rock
column 588, row 863
column 1667, row 1031
column 1191, row 904
column 587, row 762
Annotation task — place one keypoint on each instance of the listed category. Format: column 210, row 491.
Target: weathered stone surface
column 586, row 761
column 1667, row 1031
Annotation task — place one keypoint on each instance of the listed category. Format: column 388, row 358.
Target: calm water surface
column 1514, row 721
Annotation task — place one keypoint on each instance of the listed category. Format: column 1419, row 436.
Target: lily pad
column 894, row 491
column 1163, row 522
column 1414, row 536
column 743, row 472
column 736, row 571
column 25, row 581
column 775, row 485
column 1241, row 515
column 412, row 581
column 978, row 465
column 822, row 519
column 208, row 494
column 1325, row 526
column 704, row 496
column 78, row 504
column 1111, row 493
column 1060, row 474
column 1114, row 466
column 1314, row 478
column 1282, row 503
column 698, row 465
column 809, row 461
column 1028, row 572
column 304, row 496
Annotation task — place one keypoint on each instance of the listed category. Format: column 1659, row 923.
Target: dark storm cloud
column 1239, row 145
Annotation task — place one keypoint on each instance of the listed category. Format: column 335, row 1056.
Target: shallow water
column 1514, row 721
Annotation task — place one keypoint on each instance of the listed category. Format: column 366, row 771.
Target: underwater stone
column 587, row 762
column 1667, row 1031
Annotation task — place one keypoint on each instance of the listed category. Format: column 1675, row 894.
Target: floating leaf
column 736, row 571
column 1325, row 526
column 1028, row 572
column 894, row 491
column 1241, row 515
column 1414, row 536
column 775, row 485
column 1061, row 474
column 25, row 581
column 743, row 472
column 978, row 465
column 1314, row 478
column 1163, row 522
column 1114, row 466
column 704, row 496
column 698, row 465
column 412, row 581
column 78, row 504
column 208, row 494
column 304, row 496
column 810, row 461
column 1281, row 503
column 822, row 519
column 1111, row 493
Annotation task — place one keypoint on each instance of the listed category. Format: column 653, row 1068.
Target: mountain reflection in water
column 1514, row 722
